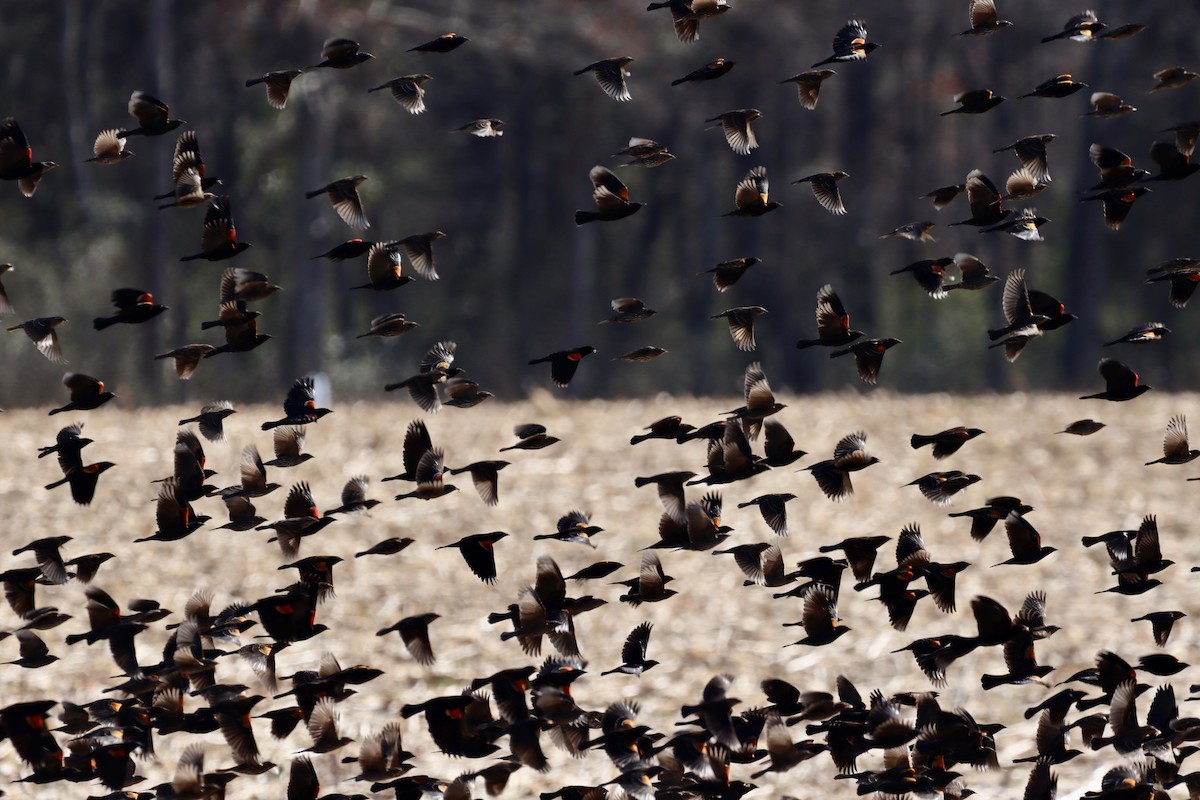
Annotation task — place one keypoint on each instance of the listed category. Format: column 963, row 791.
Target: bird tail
column 311, row 195
column 254, row 81
column 837, row 353
column 641, row 437
column 584, row 217
column 996, row 333
column 57, row 483
column 100, row 323
column 918, row 440
column 675, row 82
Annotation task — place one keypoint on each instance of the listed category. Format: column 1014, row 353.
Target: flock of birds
column 893, row 745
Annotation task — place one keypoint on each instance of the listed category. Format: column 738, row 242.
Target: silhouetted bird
column 975, row 101
column 850, row 44
column 1082, row 27
column 384, row 271
column 442, row 44
column 825, row 188
column 16, row 159
column 87, row 393
column 339, row 53
column 134, row 306
column 710, row 71
column 41, row 332
column 808, row 86
column 408, row 91
column 1059, row 86
column 611, row 197
column 152, row 114
column 1172, row 78
column 299, row 407
column 738, row 127
column 1175, row 443
column 849, row 455
column 984, row 19
column 218, row 240
column 868, row 356
column 741, row 324
column 610, row 74
column 563, row 363
column 343, row 194
column 833, row 322
column 1121, row 383
column 278, row 85
column 751, row 195
column 984, row 200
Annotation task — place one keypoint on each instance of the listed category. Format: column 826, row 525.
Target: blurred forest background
column 519, row 279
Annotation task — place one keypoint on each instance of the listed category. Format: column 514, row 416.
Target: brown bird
column 975, row 274
column 833, row 321
column 727, row 273
column 985, row 201
column 278, row 85
column 187, row 358
column 288, row 444
column 741, row 324
column 464, row 393
column 760, row 401
column 849, row 455
column 984, row 19
column 825, row 188
column 218, row 240
column 485, row 476
column 1183, row 275
column 428, row 476
column 211, row 420
column 751, row 195
column 408, row 91
column 442, row 44
column 1169, row 78
column 688, row 13
column 1106, row 105
column 610, row 73
column 1082, row 27
column 808, row 86
column 109, row 148
column 868, row 356
column 738, row 129
column 41, row 332
column 338, row 53
column 189, row 182
column 850, row 44
column 1175, row 443
column 384, row 271
column 1031, row 151
column 913, row 231
column 531, row 436
column 386, row 325
column 87, row 393
column 483, row 128
column 975, row 101
column 414, row 632
column 343, row 194
column 419, row 249
column 611, row 197
column 16, row 159
column 1059, row 86
column 152, row 114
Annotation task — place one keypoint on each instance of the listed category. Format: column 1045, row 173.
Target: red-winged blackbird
column 985, row 201
column 939, row 487
column 253, row 472
column 384, row 268
column 975, row 274
column 741, row 324
column 688, row 13
column 1121, row 383
column 975, row 101
column 808, row 86
column 242, row 514
column 1173, row 165
column 833, row 321
column 820, row 618
column 134, row 306
column 611, row 197
column 239, row 284
column 849, row 455
column 1083, row 427
column 339, row 53
column 278, row 84
column 1106, row 105
column 477, row 551
column 773, row 508
column 408, row 91
column 531, row 436
column 710, row 71
column 241, row 331
column 751, row 195
column 1031, row 151
column 850, row 44
column 1018, row 310
column 87, row 393
column 760, row 401
column 109, row 148
column 947, row 442
column 779, row 448
column 1026, row 226
column 738, row 129
column 1175, row 443
column 633, row 652
column 67, row 441
column 666, row 428
column 419, row 249
column 1079, row 28
column 189, row 181
column 352, row 248
column 354, row 497
column 868, row 356
column 484, row 474
column 81, row 477
column 1169, row 78
column 913, row 231
column 414, row 632
column 45, row 338
column 629, row 309
column 299, row 407
column 1183, row 275
column 1058, row 86
column 825, row 189
column 442, row 44
column 1116, row 168
column 435, row 369
column 175, row 517
column 610, row 74
column 218, row 240
column 984, row 19
column 929, row 273
column 483, row 128
column 727, row 273
column 574, row 527
column 387, row 547
column 1147, row 332
column 1161, row 622
column 1024, row 541
column 1019, row 187
column 211, row 420
column 152, row 114
column 343, row 195
column 416, row 443
column 16, row 159
column 563, row 363
column 301, row 517
column 945, row 195
column 428, row 476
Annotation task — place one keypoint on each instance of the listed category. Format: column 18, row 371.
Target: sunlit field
column 1078, row 486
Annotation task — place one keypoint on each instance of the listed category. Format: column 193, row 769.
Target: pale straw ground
column 1078, row 485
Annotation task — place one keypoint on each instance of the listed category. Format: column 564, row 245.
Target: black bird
column 633, row 653
column 442, row 44
column 850, row 44
column 152, row 114
column 134, row 306
column 563, row 363
column 339, row 53
column 1121, row 383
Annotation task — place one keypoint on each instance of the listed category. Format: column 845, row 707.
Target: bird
column 913, row 231
column 1175, row 443
column 152, row 114
column 929, row 274
column 1121, row 383
column 633, row 652
column 610, row 73
column 464, row 393
column 975, row 274
column 408, row 91
column 435, row 369
column 688, row 13
column 738, row 127
column 1024, row 541
column 343, row 194
column 850, row 44
column 642, row 354
column 134, row 306
column 984, row 19
column 299, row 406
column 1117, row 204
column 16, row 159
column 849, row 455
column 211, row 420
column 351, row 248
column 1173, row 164
column 339, row 53
column 808, row 86
column 575, row 527
column 1082, row 27
column 1106, row 105
column 751, row 195
column 388, row 325
column 485, row 476
column 87, row 393
column 868, row 356
column 975, row 101
column 773, row 508
column 531, row 436
column 428, row 476
column 419, row 249
column 109, row 148
column 985, row 203
column 187, row 358
column 741, row 324
column 1025, row 226
column 42, row 333
column 1083, row 427
column 442, row 44
column 1162, row 623
column 1146, row 332
column 384, row 270
column 820, row 618
column 414, row 632
column 1031, row 152
column 218, row 240
column 482, row 128
column 1172, row 78
column 82, row 478
column 825, row 188
column 727, row 273
column 945, row 443
column 710, row 71
column 939, row 487
column 1059, row 86
column 833, row 322
column 1183, row 274
column 478, row 551
column 1018, row 187
column 278, row 85
column 564, row 363
column 1018, row 308
column 611, row 197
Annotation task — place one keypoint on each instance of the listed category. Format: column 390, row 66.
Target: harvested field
column 1078, row 486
